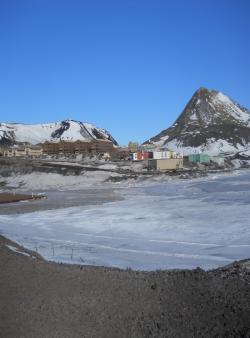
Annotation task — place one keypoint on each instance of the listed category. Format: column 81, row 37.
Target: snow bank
column 44, row 181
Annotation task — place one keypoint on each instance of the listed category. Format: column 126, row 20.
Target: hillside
column 68, row 130
column 211, row 122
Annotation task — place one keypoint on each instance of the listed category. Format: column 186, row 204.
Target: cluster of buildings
column 63, row 148
column 157, row 159
column 22, row 151
column 162, row 159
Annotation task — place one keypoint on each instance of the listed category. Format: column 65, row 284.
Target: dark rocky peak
column 208, row 107
column 209, row 118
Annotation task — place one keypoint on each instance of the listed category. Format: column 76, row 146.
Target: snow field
column 174, row 224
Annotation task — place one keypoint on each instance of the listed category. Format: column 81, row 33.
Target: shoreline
column 15, row 198
column 61, row 199
column 20, row 249
column 46, row 299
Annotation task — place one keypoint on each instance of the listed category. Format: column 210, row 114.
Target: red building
column 142, row 155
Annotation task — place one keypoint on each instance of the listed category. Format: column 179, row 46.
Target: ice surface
column 174, row 224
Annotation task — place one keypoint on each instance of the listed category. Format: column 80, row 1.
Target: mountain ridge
column 67, row 130
column 210, row 122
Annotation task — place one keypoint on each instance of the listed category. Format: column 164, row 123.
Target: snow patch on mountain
column 67, row 130
column 213, row 147
column 233, row 109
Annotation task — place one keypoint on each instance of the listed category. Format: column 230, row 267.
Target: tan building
column 82, row 147
column 34, row 151
column 67, row 147
column 16, row 152
column 23, row 151
column 78, row 147
column 102, row 146
column 165, row 164
column 50, row 148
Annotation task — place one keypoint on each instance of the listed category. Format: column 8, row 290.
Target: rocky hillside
column 211, row 122
column 68, row 130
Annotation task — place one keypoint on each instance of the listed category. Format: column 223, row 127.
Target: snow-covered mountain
column 211, row 122
column 68, row 130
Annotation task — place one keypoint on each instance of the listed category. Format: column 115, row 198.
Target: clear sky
column 129, row 66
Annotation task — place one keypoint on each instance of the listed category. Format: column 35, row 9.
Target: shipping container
column 199, row 158
column 141, row 156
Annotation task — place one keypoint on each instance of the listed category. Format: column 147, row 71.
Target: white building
column 219, row 160
column 165, row 154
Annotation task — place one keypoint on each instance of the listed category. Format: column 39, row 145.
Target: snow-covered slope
column 68, row 130
column 211, row 122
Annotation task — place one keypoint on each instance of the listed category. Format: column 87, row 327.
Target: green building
column 199, row 158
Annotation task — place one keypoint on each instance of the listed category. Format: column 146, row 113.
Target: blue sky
column 127, row 66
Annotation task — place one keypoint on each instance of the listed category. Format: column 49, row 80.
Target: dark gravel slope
column 41, row 299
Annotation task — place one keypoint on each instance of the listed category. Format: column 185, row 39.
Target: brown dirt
column 12, row 198
column 42, row 299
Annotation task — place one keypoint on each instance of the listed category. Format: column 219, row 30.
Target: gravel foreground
column 43, row 299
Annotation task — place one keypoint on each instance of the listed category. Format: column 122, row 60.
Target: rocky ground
column 42, row 299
